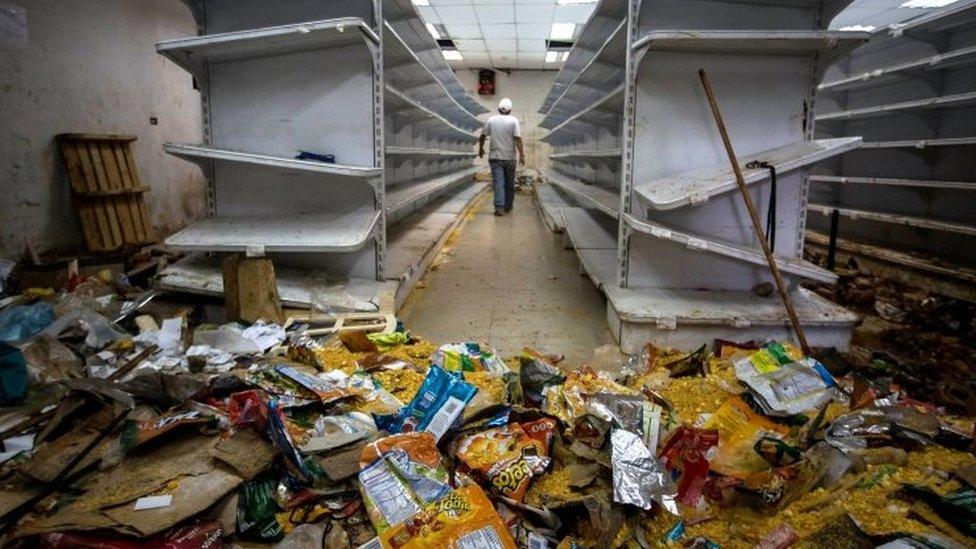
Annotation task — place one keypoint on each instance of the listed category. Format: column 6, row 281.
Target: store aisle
column 507, row 280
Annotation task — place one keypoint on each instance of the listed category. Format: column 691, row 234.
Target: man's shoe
column 499, row 212
column 508, row 209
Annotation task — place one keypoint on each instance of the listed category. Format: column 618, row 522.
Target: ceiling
column 512, row 34
column 503, row 34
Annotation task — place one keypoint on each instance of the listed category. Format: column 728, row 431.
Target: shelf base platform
column 587, row 196
column 202, row 275
column 411, row 246
column 402, row 199
column 914, row 269
column 410, row 249
column 550, row 203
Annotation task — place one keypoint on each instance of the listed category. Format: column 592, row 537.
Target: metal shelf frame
column 637, row 91
column 371, row 85
column 910, row 94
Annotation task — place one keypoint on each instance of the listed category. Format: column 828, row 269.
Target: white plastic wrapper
column 638, row 478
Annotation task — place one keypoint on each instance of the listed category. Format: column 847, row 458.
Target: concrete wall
column 527, row 89
column 91, row 67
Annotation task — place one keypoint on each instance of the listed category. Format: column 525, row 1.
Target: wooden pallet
column 106, row 190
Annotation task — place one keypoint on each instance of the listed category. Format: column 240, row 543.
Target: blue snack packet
column 435, row 408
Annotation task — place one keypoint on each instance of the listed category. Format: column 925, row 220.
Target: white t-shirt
column 502, row 129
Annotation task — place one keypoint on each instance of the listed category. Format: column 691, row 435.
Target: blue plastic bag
column 435, row 408
column 20, row 323
column 13, row 375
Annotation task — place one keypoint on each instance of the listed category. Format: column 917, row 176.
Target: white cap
column 505, row 105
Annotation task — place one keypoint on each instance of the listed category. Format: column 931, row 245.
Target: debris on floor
column 137, row 421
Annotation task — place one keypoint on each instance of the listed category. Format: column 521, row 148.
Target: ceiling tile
column 428, row 13
column 495, row 13
column 457, row 14
column 492, row 32
column 534, row 12
column 533, row 30
column 463, row 31
column 533, row 45
column 502, row 44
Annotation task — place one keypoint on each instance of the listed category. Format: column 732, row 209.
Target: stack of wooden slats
column 106, row 190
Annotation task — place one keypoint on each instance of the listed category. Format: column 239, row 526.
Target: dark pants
column 503, row 182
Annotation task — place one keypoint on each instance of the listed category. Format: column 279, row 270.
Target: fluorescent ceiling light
column 566, row 2
column 562, row 31
column 861, row 28
column 927, row 3
column 433, row 31
column 565, row 56
column 421, row 2
column 452, row 55
column 552, row 56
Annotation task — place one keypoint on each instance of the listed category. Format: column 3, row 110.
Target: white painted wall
column 527, row 89
column 92, row 67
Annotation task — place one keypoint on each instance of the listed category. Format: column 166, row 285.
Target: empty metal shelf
column 609, row 106
column 894, row 182
column 881, row 75
column 194, row 53
column 593, row 153
column 401, row 197
column 920, row 143
column 698, row 186
column 588, row 231
column 293, row 233
column 401, row 101
column 202, row 154
column 944, row 102
column 896, row 219
column 827, row 44
column 587, row 196
column 420, row 151
column 791, row 265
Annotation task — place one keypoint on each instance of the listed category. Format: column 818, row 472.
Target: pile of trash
column 132, row 425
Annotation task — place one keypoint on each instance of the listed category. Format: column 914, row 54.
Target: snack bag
column 435, row 408
column 508, row 457
column 398, row 475
column 739, row 428
column 463, row 519
column 468, row 357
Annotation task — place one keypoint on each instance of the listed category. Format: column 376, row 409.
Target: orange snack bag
column 508, row 457
column 463, row 518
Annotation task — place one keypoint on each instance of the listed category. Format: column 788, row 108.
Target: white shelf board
column 401, row 100
column 719, row 307
column 698, row 243
column 600, row 265
column 827, row 44
column 606, row 50
column 587, row 196
column 201, row 154
column 295, row 233
column 894, row 182
column 920, row 143
column 399, row 58
column 202, row 274
column 609, row 100
column 193, row 54
column 420, row 151
column 896, row 219
column 551, row 203
column 593, row 153
column 953, row 58
column 699, row 185
column 588, row 231
column 950, row 17
column 943, row 102
column 401, row 196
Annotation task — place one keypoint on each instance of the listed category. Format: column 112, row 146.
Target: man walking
column 506, row 137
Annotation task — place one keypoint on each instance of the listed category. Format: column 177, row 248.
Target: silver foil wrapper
column 638, row 478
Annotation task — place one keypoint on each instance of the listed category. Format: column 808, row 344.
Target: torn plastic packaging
column 638, row 478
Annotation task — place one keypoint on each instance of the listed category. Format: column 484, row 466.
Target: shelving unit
column 684, row 259
column 910, row 92
column 356, row 80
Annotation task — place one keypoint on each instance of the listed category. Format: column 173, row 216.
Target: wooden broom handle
column 756, row 223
